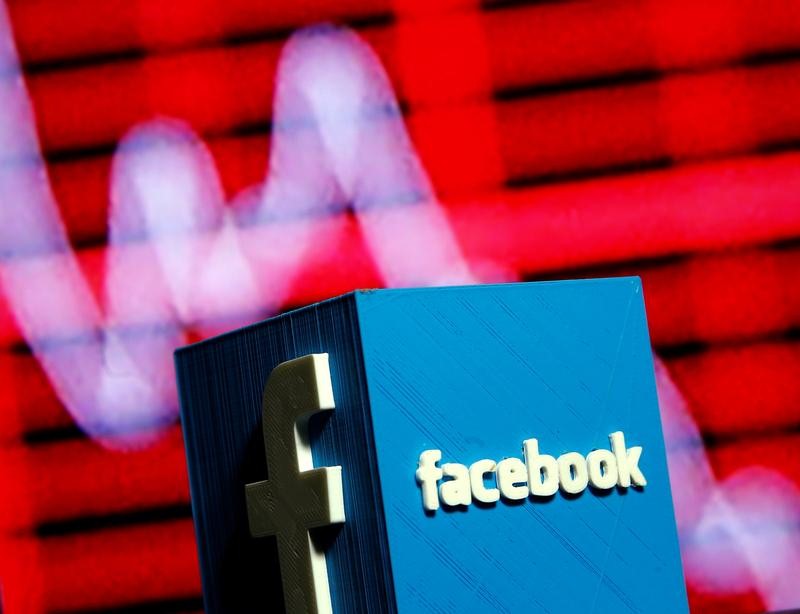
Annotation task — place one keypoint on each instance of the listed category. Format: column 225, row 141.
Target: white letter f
column 297, row 497
column 428, row 474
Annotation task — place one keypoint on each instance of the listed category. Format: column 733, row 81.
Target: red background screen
column 562, row 139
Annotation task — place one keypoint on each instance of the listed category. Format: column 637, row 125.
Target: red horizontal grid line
column 15, row 418
column 107, row 567
column 679, row 112
column 28, row 402
column 744, row 602
column 778, row 453
column 67, row 480
column 738, row 296
column 682, row 117
column 735, row 391
column 742, row 390
column 118, row 26
column 82, row 187
column 725, row 297
column 215, row 90
column 645, row 215
column 553, row 135
column 568, row 41
column 236, row 84
column 102, row 569
column 530, row 45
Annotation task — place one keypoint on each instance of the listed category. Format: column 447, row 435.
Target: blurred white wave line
column 197, row 259
column 178, row 253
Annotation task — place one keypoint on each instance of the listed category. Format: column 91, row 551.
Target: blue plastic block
column 471, row 371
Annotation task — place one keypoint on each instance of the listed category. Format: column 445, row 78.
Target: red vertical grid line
column 442, row 63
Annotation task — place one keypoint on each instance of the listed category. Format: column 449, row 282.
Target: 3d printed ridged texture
column 221, row 383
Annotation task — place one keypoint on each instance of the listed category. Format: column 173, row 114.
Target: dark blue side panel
column 220, row 384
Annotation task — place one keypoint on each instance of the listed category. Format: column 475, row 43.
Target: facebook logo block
column 466, row 449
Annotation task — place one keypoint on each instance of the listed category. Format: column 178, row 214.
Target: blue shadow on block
column 473, row 372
